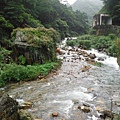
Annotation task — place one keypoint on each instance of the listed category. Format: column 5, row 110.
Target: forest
column 50, row 13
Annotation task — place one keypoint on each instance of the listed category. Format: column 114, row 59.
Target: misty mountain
column 91, row 7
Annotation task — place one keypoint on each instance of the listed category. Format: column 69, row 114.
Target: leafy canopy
column 33, row 13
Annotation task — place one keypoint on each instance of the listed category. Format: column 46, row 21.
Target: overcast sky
column 71, row 1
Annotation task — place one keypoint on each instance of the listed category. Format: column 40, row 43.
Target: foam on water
column 64, row 105
column 76, row 95
column 20, row 101
column 92, row 118
column 110, row 61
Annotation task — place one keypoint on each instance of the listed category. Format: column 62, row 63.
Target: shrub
column 71, row 43
column 118, row 51
column 107, row 44
column 101, row 42
column 85, row 37
column 112, row 36
column 112, row 50
column 15, row 73
column 22, row 59
column 3, row 54
column 86, row 44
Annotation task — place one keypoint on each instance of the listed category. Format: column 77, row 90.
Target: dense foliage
column 112, row 7
column 32, row 13
column 16, row 73
column 102, row 43
column 37, row 45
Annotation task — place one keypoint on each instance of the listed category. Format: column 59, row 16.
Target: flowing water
column 69, row 88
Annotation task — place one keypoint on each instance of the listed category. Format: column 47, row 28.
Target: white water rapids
column 108, row 60
column 70, row 88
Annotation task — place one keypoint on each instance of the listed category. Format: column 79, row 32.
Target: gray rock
column 92, row 56
column 100, row 59
column 8, row 108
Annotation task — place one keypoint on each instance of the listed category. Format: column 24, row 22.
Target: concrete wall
column 102, row 19
column 107, row 29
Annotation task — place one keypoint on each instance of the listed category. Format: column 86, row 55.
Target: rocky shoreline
column 76, row 91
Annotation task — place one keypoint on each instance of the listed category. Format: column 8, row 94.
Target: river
column 68, row 88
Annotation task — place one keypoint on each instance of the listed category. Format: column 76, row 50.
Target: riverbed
column 68, row 88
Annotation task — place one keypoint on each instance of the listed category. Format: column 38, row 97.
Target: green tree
column 113, row 8
column 50, row 13
column 61, row 26
column 5, row 28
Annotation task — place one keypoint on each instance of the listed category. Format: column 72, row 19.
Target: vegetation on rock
column 36, row 37
column 36, row 45
column 39, row 42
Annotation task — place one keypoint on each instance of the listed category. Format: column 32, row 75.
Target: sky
column 71, row 1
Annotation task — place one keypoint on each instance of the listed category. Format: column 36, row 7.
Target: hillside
column 91, row 7
column 34, row 13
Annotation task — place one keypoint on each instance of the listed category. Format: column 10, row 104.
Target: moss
column 39, row 42
column 35, row 36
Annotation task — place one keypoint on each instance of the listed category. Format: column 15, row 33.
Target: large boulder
column 8, row 108
column 34, row 45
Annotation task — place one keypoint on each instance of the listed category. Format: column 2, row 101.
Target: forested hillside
column 91, row 7
column 34, row 13
column 29, row 31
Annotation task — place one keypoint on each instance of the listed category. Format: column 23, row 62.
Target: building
column 103, row 25
column 102, row 19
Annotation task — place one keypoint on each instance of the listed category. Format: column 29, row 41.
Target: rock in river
column 8, row 108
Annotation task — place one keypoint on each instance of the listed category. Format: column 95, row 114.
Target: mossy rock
column 36, row 45
column 34, row 36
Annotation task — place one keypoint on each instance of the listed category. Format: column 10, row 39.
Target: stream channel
column 68, row 88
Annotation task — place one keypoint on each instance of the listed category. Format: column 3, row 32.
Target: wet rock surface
column 59, row 96
column 25, row 105
column 8, row 108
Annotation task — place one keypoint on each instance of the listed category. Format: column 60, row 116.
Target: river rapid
column 65, row 90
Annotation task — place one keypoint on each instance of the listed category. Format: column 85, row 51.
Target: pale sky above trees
column 71, row 1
